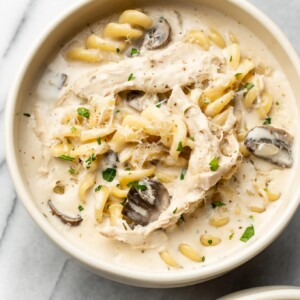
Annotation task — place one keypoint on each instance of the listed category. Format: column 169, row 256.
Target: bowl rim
column 269, row 292
column 110, row 270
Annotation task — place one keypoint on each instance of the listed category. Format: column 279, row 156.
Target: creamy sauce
column 238, row 194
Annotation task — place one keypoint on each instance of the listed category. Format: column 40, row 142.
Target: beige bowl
column 63, row 28
column 266, row 293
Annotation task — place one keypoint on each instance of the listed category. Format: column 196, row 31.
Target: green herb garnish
column 182, row 218
column 127, row 169
column 99, row 141
column 206, row 101
column 182, row 175
column 134, row 52
column 131, row 77
column 217, row 204
column 118, row 50
column 80, row 208
column 109, row 174
column 66, row 157
column 84, row 112
column 267, row 121
column 203, row 258
column 26, row 115
column 73, row 129
column 192, row 138
column 249, row 86
column 137, row 186
column 123, row 202
column 277, row 102
column 158, row 105
column 237, row 75
column 179, row 148
column 230, row 59
column 248, row 234
column 90, row 160
column 174, row 211
column 214, row 164
column 209, row 242
column 231, row 236
column 98, row 188
column 72, row 170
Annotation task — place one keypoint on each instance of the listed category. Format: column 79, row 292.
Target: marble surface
column 32, row 267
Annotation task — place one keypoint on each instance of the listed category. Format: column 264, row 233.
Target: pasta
column 136, row 18
column 101, row 197
column 87, row 182
column 209, row 240
column 190, row 253
column 169, row 259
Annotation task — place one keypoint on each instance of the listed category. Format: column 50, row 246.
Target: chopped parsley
column 251, row 217
column 26, row 115
column 209, row 242
column 158, row 105
column 127, row 169
column 73, row 129
column 117, row 111
column 179, row 148
column 90, row 160
column 182, row 218
column 217, row 204
column 118, row 50
column 230, row 59
column 277, row 102
column 109, row 174
column 248, row 234
column 267, row 121
column 203, row 258
column 174, row 211
column 80, row 208
column 214, row 164
column 231, row 236
column 72, row 171
column 266, row 189
column 192, row 138
column 98, row 188
column 249, row 86
column 66, row 157
column 237, row 75
column 84, row 112
column 182, row 174
column 131, row 77
column 137, row 186
column 99, row 141
column 134, row 52
column 206, row 101
column 123, row 203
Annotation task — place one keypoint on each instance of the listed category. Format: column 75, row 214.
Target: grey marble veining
column 32, row 267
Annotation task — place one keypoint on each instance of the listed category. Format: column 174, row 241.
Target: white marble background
column 32, row 267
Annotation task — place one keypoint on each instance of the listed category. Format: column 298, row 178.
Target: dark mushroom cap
column 145, row 202
column 159, row 35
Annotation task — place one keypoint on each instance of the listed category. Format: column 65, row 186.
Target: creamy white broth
column 42, row 176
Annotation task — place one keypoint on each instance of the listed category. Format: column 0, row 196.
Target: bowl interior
column 72, row 22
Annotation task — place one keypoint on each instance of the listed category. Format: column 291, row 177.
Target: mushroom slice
column 159, row 35
column 145, row 202
column 134, row 99
column 73, row 221
column 271, row 144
